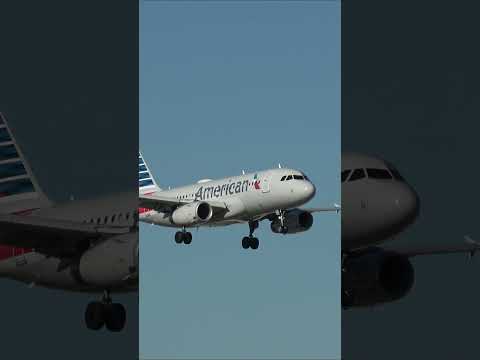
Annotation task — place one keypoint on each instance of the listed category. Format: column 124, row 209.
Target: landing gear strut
column 250, row 241
column 183, row 237
column 104, row 312
column 281, row 217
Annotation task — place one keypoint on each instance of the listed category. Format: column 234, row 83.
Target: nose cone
column 309, row 190
column 408, row 204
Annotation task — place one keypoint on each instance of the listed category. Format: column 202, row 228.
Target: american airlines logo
column 210, row 192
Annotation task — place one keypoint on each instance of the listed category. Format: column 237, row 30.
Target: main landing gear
column 250, row 241
column 183, row 237
column 100, row 313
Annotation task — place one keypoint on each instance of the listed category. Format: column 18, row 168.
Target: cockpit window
column 283, row 178
column 289, row 177
column 298, row 177
column 396, row 174
column 345, row 174
column 378, row 174
column 357, row 174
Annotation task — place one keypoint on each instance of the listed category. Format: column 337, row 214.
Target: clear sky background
column 226, row 86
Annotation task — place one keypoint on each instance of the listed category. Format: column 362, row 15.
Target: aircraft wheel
column 187, row 239
column 94, row 315
column 115, row 317
column 246, row 242
column 254, row 243
column 284, row 229
column 179, row 237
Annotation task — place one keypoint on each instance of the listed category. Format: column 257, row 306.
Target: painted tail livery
column 19, row 190
column 146, row 182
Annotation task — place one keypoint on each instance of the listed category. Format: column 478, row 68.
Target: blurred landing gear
column 250, row 241
column 183, row 237
column 100, row 313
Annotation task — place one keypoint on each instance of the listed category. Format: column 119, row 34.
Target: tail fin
column 146, row 183
column 19, row 190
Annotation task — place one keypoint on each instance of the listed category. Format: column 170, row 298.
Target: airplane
column 378, row 204
column 86, row 246
column 273, row 195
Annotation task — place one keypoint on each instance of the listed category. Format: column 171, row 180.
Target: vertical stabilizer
column 146, row 182
column 19, row 189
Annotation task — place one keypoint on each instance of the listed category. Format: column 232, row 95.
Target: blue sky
column 226, row 86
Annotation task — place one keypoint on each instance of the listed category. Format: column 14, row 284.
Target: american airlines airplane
column 272, row 194
column 85, row 246
column 377, row 204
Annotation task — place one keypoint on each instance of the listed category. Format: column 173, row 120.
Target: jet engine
column 375, row 277
column 109, row 263
column 295, row 220
column 192, row 213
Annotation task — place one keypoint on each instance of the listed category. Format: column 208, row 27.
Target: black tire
column 179, row 237
column 187, row 239
column 115, row 317
column 94, row 315
column 284, row 229
column 254, row 243
column 246, row 242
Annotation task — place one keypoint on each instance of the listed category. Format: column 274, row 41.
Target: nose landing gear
column 104, row 312
column 250, row 241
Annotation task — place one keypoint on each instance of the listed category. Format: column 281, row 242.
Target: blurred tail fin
column 19, row 190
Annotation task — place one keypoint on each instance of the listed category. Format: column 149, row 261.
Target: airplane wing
column 469, row 246
column 168, row 204
column 51, row 236
column 335, row 208
column 159, row 203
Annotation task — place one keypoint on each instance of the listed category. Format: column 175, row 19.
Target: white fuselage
column 247, row 197
column 32, row 267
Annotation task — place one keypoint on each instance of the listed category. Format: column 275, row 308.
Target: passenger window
column 345, row 174
column 113, row 218
column 357, row 174
column 283, row 178
column 289, row 177
column 378, row 174
column 106, row 219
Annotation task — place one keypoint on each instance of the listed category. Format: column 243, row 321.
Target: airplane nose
column 408, row 202
column 309, row 190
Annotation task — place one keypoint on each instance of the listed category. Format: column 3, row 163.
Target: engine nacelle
column 191, row 214
column 109, row 263
column 375, row 277
column 295, row 220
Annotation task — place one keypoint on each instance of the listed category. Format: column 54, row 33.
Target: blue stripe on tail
column 145, row 179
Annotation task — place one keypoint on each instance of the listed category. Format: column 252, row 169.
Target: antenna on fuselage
column 243, row 172
column 279, row 166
